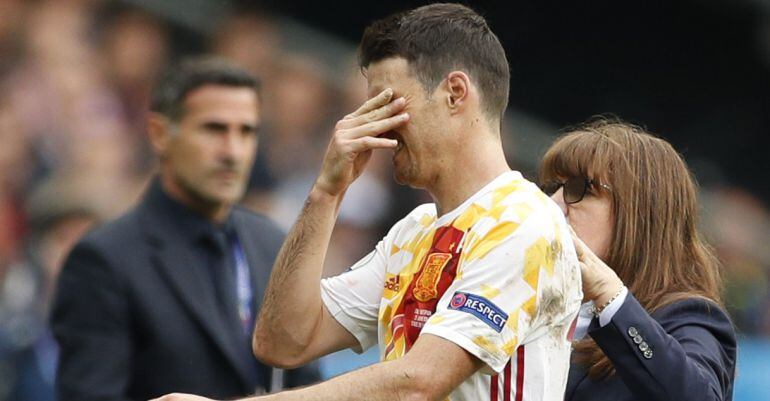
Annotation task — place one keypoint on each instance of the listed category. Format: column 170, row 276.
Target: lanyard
column 242, row 284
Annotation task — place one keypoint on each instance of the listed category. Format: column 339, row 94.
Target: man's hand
column 294, row 288
column 355, row 137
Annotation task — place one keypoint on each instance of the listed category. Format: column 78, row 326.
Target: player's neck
column 470, row 168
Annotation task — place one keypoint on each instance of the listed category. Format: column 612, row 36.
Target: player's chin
column 403, row 174
column 399, row 178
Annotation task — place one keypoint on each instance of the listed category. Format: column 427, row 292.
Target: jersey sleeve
column 514, row 283
column 353, row 297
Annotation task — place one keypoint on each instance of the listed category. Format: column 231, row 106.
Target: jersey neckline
column 447, row 217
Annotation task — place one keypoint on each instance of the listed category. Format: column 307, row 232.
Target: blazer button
column 632, row 332
column 638, row 339
column 648, row 354
column 644, row 347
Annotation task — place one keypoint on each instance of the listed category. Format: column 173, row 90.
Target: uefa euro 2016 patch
column 480, row 307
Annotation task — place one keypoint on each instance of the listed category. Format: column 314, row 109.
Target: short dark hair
column 437, row 38
column 192, row 73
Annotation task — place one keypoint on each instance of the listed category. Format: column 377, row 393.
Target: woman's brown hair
column 656, row 249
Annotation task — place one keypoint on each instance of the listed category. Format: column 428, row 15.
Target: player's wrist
column 320, row 193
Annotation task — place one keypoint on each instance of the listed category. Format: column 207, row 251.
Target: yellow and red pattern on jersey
column 494, row 276
column 437, row 272
column 435, row 268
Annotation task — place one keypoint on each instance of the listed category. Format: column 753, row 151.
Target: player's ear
column 458, row 86
column 159, row 130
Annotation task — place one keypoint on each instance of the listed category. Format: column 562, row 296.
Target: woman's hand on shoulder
column 600, row 283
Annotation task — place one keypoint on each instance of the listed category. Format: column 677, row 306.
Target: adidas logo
column 393, row 283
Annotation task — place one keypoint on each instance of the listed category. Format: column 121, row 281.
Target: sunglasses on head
column 575, row 188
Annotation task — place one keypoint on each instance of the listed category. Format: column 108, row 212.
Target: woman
column 653, row 326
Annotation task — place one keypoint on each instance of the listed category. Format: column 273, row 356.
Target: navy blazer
column 136, row 314
column 684, row 351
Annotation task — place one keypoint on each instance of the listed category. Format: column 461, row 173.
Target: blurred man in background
column 164, row 298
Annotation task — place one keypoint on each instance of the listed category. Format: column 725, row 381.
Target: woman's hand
column 600, row 283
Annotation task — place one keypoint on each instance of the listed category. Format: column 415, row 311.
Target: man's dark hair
column 437, row 39
column 190, row 74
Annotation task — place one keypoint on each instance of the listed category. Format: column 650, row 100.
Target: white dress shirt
column 585, row 316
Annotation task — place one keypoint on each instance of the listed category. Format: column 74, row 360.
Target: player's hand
column 355, row 136
column 600, row 282
column 182, row 397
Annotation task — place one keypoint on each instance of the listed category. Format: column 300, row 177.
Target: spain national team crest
column 425, row 287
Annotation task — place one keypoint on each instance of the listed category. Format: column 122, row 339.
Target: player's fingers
column 375, row 128
column 379, row 113
column 370, row 142
column 381, row 99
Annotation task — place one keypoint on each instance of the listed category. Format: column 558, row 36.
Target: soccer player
column 469, row 298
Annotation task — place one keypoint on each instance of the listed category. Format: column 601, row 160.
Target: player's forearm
column 292, row 305
column 385, row 381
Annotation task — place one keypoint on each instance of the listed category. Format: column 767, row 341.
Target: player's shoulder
column 420, row 217
column 521, row 200
column 522, row 190
column 425, row 210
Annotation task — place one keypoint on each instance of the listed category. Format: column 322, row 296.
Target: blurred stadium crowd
column 75, row 77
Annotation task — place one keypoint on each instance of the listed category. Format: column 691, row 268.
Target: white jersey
column 497, row 276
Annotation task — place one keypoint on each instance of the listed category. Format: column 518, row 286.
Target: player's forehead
column 393, row 72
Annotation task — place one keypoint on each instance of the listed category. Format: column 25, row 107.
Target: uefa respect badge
column 480, row 307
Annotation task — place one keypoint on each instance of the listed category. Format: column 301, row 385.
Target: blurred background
column 75, row 76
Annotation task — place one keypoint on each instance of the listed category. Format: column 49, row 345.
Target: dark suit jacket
column 691, row 356
column 136, row 314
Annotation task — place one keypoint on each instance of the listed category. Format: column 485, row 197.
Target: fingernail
column 399, row 101
column 405, row 116
column 388, row 92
